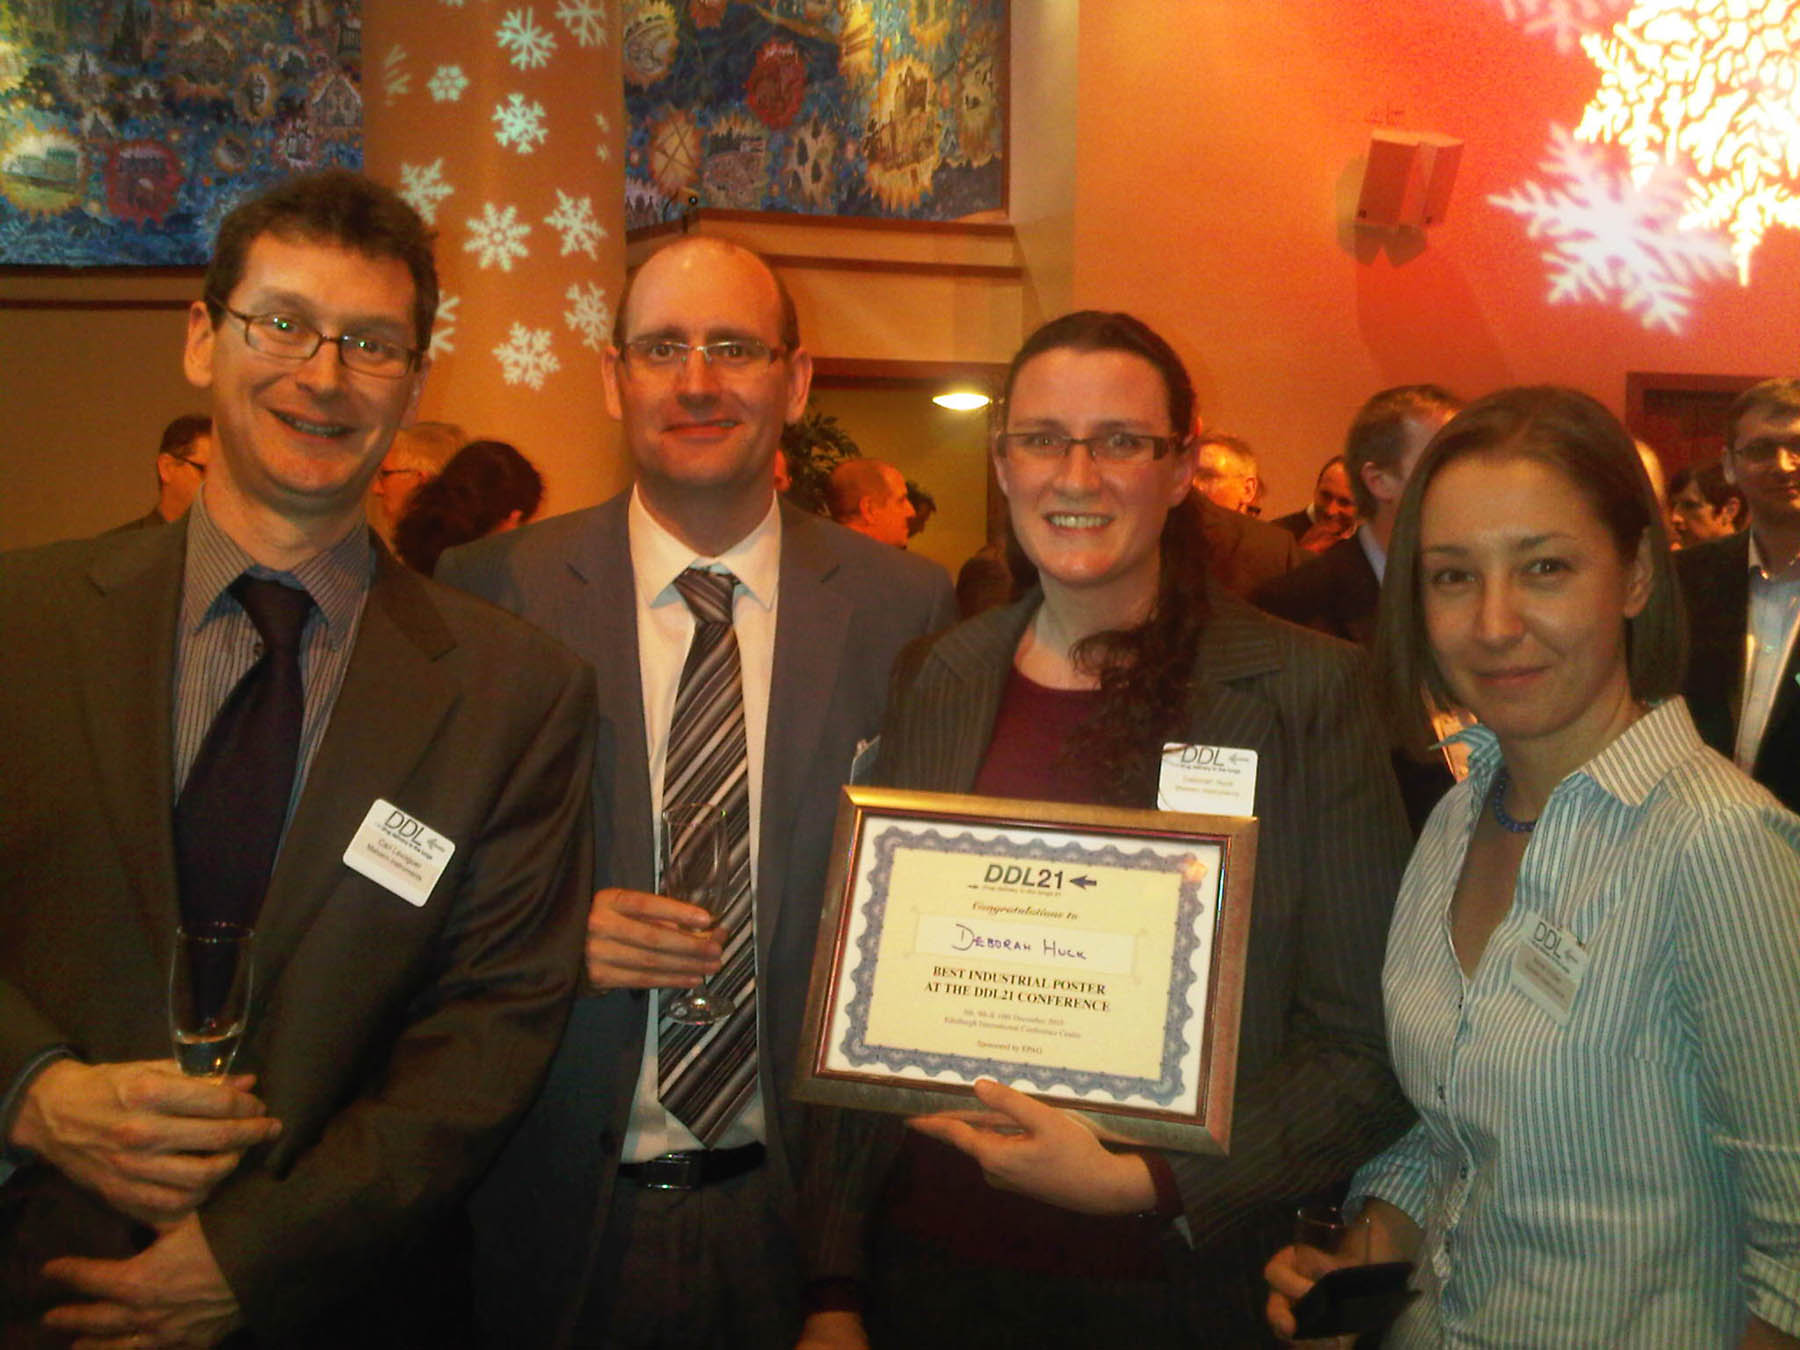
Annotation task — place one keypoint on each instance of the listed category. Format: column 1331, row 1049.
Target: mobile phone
column 1352, row 1300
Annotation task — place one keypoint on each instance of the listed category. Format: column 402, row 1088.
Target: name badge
column 1547, row 968
column 1209, row 780
column 399, row 852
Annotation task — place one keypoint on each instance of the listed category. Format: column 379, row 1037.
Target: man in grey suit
column 609, row 1174
column 418, row 904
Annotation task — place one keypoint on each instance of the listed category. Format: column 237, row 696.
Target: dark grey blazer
column 1336, row 592
column 1315, row 1094
column 1715, row 586
column 847, row 606
column 397, row 1044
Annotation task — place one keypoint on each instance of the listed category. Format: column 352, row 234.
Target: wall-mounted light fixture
column 962, row 400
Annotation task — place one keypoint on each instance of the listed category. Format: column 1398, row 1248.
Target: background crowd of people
column 1538, row 1048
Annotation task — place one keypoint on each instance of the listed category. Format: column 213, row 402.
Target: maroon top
column 937, row 1193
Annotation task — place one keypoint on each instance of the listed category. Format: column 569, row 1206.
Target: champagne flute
column 209, row 995
column 691, row 866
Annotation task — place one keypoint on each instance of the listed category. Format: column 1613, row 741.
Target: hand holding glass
column 691, row 867
column 209, row 996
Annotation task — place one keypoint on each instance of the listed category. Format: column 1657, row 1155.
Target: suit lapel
column 125, row 663
column 597, row 618
column 392, row 700
column 812, row 625
column 953, row 739
column 1237, row 645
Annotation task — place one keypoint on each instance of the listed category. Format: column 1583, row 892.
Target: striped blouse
column 1619, row 1167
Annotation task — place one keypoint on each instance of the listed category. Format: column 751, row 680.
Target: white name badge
column 1209, row 780
column 1547, row 967
column 399, row 852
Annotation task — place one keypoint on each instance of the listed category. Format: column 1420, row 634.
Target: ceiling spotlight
column 962, row 400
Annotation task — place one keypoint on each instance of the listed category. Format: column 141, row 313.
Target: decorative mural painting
column 128, row 128
column 1685, row 155
column 834, row 107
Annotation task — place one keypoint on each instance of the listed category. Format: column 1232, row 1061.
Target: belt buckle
column 672, row 1172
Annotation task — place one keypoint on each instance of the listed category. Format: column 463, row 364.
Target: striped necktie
column 705, row 1075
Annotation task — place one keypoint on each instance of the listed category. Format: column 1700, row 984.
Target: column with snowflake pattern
column 501, row 121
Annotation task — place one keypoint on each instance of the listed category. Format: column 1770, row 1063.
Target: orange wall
column 1218, row 150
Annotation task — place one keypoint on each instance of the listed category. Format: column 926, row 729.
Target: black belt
column 696, row 1168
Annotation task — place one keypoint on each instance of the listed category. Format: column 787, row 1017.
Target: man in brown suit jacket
column 395, row 1032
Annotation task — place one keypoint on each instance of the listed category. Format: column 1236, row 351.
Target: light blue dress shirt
column 1630, row 1176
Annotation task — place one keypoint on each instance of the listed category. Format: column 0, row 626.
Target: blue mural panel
column 128, row 128
column 832, row 107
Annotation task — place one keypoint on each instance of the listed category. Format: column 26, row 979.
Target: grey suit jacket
column 1315, row 1094
column 847, row 606
column 397, row 1044
column 1715, row 584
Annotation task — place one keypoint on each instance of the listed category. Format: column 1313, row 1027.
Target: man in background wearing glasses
column 637, row 1205
column 1743, row 599
column 181, row 460
column 258, row 715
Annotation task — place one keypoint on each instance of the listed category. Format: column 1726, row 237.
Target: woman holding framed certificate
column 1593, row 979
column 1017, row 1224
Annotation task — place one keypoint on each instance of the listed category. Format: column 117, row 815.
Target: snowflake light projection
column 497, row 237
column 396, row 79
column 585, row 20
column 574, row 220
column 1564, row 21
column 447, row 84
column 1712, row 88
column 525, row 357
column 443, row 329
column 520, row 124
column 423, row 187
column 1612, row 238
column 588, row 314
column 530, row 45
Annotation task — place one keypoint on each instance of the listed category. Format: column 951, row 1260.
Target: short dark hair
column 1378, row 431
column 1778, row 398
column 333, row 206
column 788, row 325
column 1575, row 435
column 183, row 432
column 1094, row 330
column 1714, row 487
column 1325, row 468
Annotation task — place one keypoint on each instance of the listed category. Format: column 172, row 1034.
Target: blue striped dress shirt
column 1630, row 1178
column 216, row 641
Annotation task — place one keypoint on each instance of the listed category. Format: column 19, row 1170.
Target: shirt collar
column 1628, row 768
column 1372, row 550
column 336, row 578
column 658, row 557
column 1759, row 565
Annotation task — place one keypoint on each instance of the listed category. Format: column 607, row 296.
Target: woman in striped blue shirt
column 1593, row 976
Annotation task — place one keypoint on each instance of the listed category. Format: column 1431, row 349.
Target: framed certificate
column 1091, row 956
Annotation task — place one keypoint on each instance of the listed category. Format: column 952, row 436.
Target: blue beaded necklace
column 1498, row 806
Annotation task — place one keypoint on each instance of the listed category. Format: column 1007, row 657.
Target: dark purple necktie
column 229, row 818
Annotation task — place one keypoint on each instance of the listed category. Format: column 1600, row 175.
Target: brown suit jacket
column 1315, row 1094
column 396, row 1044
column 1242, row 552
